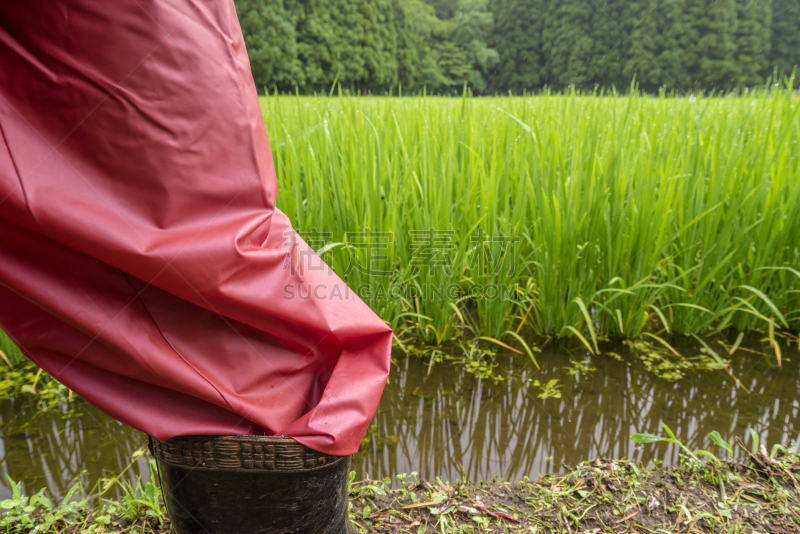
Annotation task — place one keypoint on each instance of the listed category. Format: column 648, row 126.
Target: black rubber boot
column 248, row 484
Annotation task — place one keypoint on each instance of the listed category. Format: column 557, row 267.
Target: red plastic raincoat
column 143, row 262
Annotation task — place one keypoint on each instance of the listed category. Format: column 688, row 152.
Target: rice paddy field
column 594, row 217
column 501, row 224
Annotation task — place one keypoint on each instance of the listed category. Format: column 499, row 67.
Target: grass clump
column 139, row 509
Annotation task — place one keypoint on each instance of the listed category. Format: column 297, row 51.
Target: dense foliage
column 497, row 46
column 606, row 216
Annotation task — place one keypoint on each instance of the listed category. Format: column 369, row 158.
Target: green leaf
column 580, row 336
column 719, row 442
column 646, row 438
column 15, row 493
column 588, row 319
column 760, row 294
column 711, row 455
column 8, row 504
column 756, row 440
column 525, row 346
column 711, row 352
column 498, row 342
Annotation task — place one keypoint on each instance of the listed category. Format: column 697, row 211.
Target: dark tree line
column 497, row 46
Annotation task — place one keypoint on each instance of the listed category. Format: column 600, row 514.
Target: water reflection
column 436, row 423
column 45, row 450
column 450, row 419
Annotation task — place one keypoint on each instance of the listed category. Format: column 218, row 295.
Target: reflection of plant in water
column 431, row 413
column 376, row 440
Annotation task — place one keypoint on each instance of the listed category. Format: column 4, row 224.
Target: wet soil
column 600, row 496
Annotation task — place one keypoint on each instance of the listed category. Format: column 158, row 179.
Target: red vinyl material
column 143, row 262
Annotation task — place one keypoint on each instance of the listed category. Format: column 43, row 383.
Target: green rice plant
column 597, row 216
column 591, row 216
column 10, row 355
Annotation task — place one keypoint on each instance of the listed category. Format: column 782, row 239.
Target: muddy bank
column 599, row 496
column 761, row 495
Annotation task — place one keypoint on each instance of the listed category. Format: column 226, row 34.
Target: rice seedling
column 591, row 216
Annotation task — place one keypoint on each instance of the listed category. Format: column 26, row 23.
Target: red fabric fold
column 143, row 262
